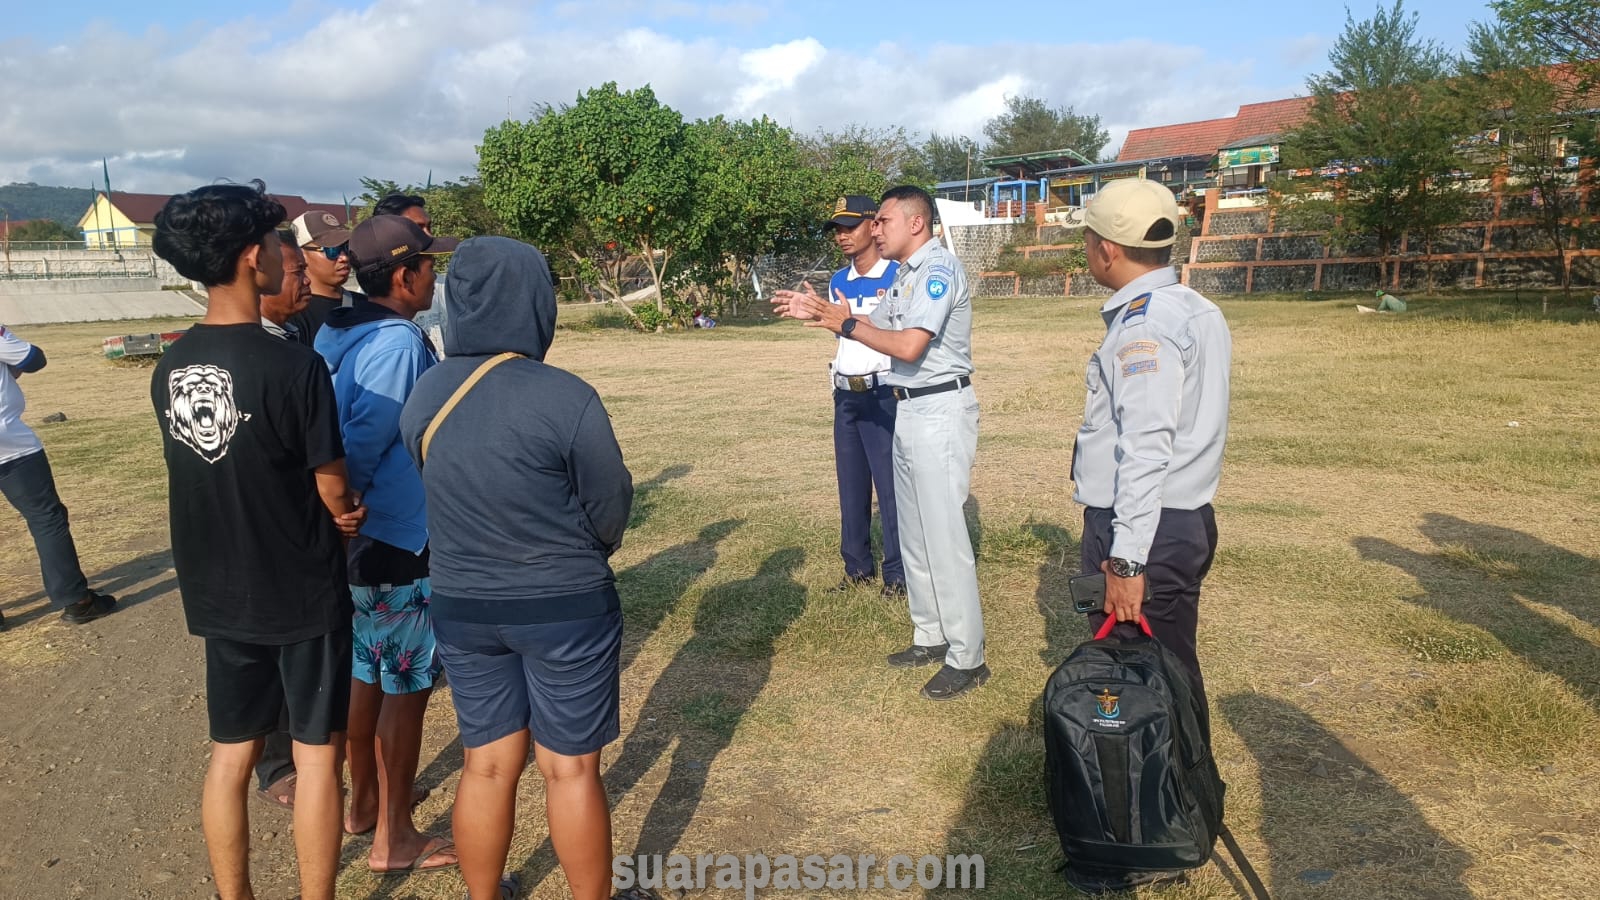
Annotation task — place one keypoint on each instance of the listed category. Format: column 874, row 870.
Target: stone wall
column 58, row 264
column 978, row 246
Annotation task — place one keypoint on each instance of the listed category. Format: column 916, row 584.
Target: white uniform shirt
column 1156, row 415
column 16, row 439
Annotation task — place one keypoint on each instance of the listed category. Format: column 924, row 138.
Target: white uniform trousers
column 935, row 441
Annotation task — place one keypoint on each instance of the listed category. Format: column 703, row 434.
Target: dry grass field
column 1401, row 632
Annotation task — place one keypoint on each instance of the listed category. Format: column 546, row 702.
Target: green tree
column 752, row 196
column 44, row 230
column 1555, row 31
column 456, row 207
column 1383, row 138
column 1540, row 116
column 861, row 160
column 606, row 175
column 1029, row 125
column 950, row 157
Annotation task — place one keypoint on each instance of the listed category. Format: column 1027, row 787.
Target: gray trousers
column 935, row 440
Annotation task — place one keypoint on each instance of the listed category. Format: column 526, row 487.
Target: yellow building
column 126, row 221
column 122, row 221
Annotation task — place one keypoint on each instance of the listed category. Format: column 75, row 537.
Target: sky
column 313, row 95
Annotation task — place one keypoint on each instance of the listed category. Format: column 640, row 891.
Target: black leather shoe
column 850, row 583
column 918, row 655
column 91, row 607
column 894, row 590
column 950, row 682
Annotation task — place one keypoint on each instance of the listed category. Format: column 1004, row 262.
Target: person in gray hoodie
column 527, row 499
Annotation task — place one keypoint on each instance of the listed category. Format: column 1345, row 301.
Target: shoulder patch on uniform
column 1139, row 367
column 1138, row 348
column 938, row 283
column 1137, row 307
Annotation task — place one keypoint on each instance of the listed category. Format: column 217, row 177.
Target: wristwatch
column 1123, row 568
column 848, row 327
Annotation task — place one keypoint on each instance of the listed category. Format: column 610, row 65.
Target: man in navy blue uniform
column 863, row 404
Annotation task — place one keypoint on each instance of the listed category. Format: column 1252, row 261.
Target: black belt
column 906, row 393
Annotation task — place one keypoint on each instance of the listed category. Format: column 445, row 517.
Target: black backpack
column 1131, row 781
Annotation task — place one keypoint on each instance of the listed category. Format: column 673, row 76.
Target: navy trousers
column 863, row 443
column 30, row 487
column 1180, row 557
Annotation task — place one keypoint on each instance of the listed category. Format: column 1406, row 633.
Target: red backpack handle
column 1111, row 622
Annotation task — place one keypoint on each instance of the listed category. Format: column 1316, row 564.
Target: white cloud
column 772, row 70
column 403, row 87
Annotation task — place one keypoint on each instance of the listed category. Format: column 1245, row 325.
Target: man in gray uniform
column 1149, row 452
column 924, row 325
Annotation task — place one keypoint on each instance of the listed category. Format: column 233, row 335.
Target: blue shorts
column 394, row 645
column 559, row 680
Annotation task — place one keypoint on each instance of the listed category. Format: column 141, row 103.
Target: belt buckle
column 858, row 383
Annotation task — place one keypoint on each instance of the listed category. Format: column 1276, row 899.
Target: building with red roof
column 126, row 220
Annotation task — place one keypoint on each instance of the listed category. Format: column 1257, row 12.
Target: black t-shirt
column 310, row 320
column 245, row 418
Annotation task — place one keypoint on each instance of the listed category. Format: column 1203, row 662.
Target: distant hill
column 34, row 201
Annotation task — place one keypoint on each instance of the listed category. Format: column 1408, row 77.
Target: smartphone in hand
column 1088, row 592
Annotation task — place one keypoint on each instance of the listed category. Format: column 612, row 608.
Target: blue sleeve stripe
column 33, row 362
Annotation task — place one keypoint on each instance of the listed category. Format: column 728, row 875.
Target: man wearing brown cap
column 376, row 353
column 1149, row 452
column 324, row 241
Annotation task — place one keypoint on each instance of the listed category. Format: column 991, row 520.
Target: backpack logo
column 1109, row 707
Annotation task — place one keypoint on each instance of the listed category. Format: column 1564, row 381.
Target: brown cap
column 321, row 229
column 384, row 240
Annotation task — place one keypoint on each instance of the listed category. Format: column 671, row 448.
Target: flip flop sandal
column 432, row 848
column 280, row 793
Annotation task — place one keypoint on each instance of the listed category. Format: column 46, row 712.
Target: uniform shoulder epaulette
column 1137, row 308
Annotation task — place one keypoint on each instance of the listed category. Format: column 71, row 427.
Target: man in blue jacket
column 528, row 498
column 376, row 354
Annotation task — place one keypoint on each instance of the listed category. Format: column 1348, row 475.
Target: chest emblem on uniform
column 881, row 293
column 1137, row 308
column 201, row 412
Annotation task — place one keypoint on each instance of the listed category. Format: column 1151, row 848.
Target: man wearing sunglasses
column 323, row 239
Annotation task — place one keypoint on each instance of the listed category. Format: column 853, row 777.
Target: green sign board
column 1247, row 156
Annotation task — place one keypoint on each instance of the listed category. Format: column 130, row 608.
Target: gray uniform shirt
column 1156, row 415
column 930, row 292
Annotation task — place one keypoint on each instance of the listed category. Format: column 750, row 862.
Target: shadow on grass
column 1004, row 817
column 652, row 588
column 645, row 500
column 699, row 701
column 1332, row 825
column 114, row 580
column 1477, row 576
column 1063, row 628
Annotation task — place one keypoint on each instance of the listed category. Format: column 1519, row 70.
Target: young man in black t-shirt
column 255, row 467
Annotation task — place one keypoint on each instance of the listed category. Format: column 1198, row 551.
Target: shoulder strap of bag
column 1245, row 869
column 473, row 379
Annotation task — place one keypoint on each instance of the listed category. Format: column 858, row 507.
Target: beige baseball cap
column 1123, row 211
column 319, row 228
